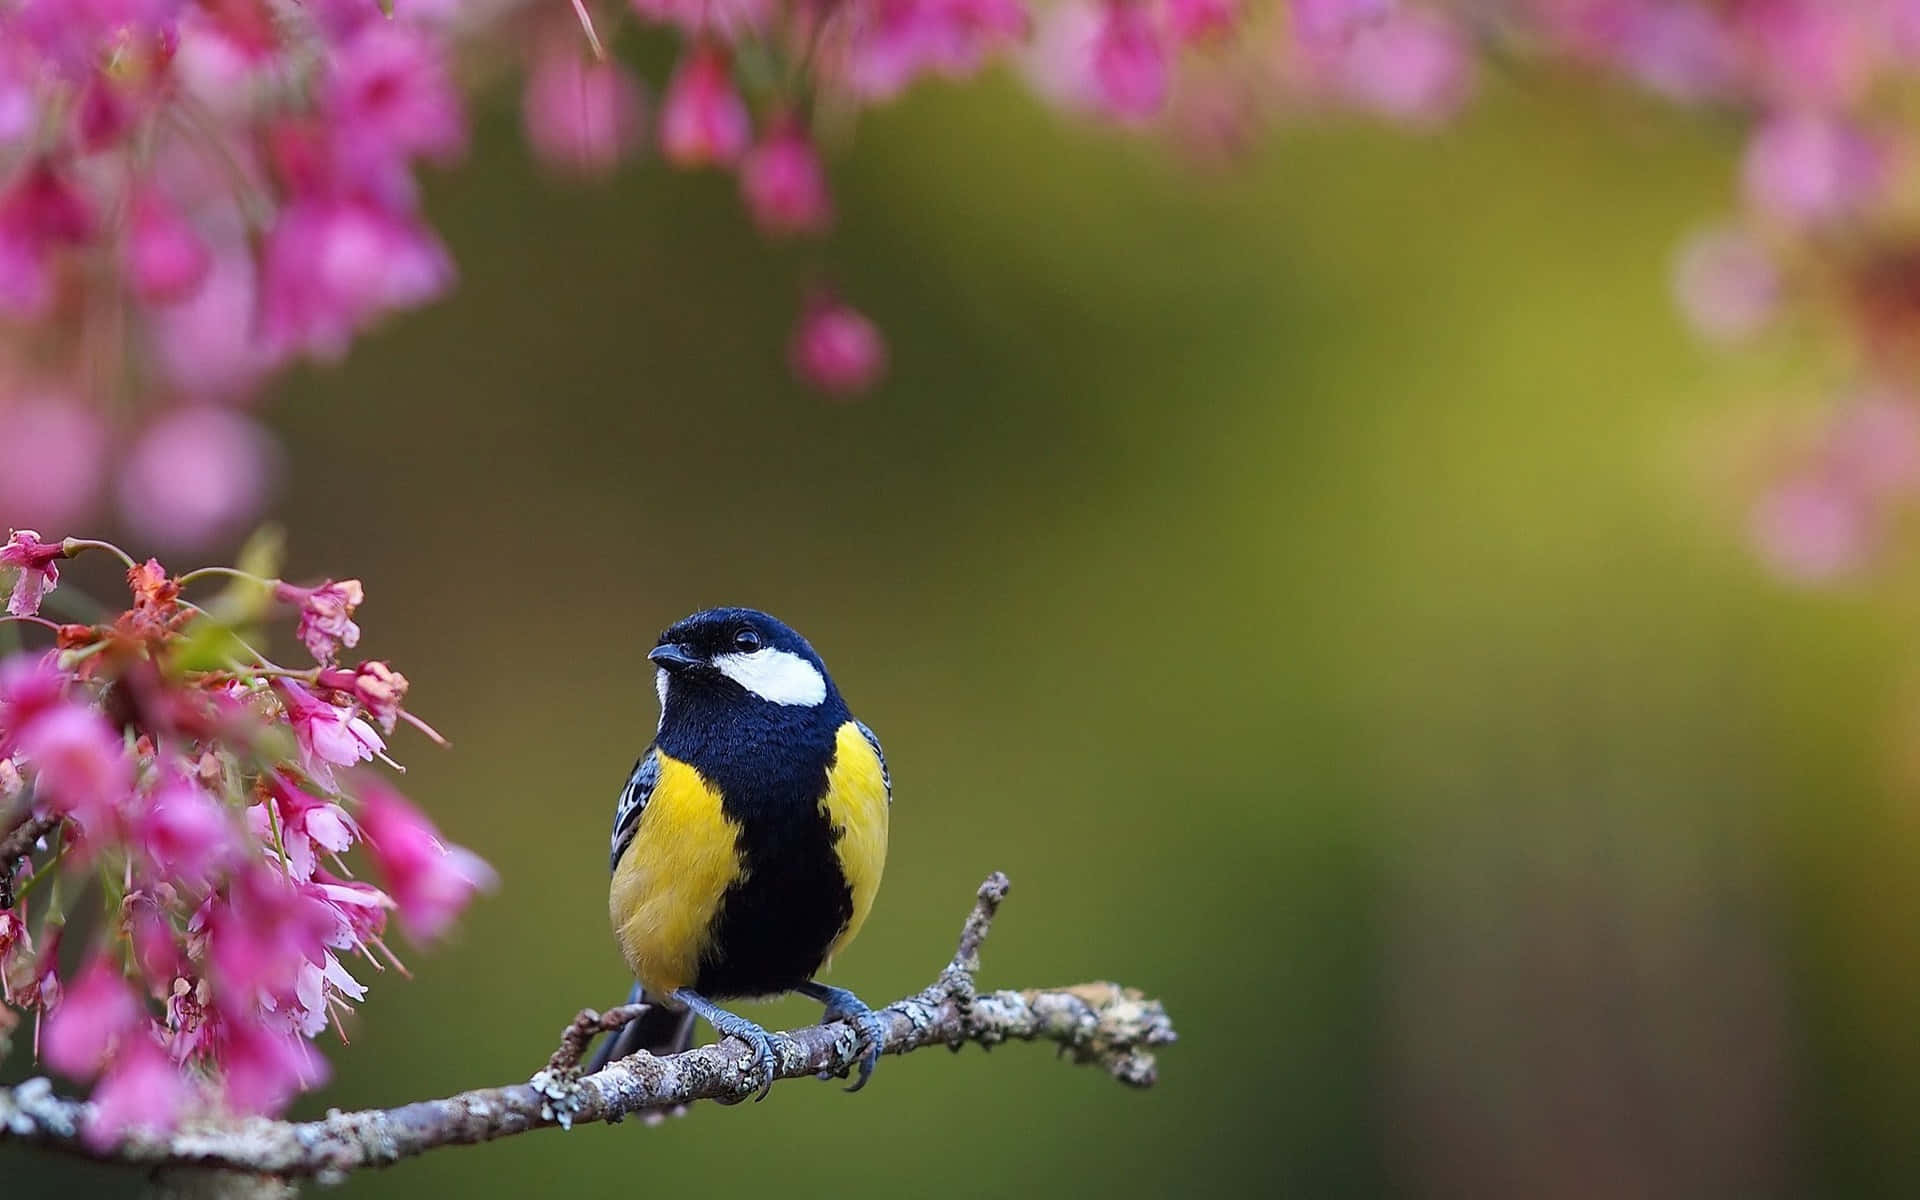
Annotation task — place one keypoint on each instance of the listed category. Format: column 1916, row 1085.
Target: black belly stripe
column 776, row 924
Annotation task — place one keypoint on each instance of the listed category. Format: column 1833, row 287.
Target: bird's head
column 739, row 653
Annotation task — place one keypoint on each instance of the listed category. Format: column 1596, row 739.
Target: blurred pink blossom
column 183, row 832
column 785, row 184
column 142, row 1090
column 209, row 346
column 836, row 349
column 1809, row 53
column 40, row 213
column 1681, row 51
column 1804, row 168
column 263, row 1068
column 80, row 767
column 1131, row 67
column 1814, row 528
column 728, row 20
column 1875, row 443
column 96, row 1010
column 703, row 120
column 430, row 881
column 1412, row 66
column 198, row 475
column 1726, row 284
column 333, row 268
column 1324, row 21
column 1201, row 20
column 889, row 44
column 52, row 459
column 581, row 115
column 166, row 258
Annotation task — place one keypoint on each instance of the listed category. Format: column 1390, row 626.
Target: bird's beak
column 674, row 657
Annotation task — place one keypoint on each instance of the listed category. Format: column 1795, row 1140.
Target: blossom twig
column 16, row 845
column 1100, row 1023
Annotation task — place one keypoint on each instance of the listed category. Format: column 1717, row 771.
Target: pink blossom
column 196, row 476
column 80, row 766
column 581, row 115
column 156, row 949
column 431, row 882
column 29, row 687
column 19, row 109
column 391, row 97
column 16, row 945
column 1726, row 284
column 703, row 120
column 328, row 736
column 51, row 458
column 333, row 268
column 34, row 560
column 141, row 1090
column 1682, row 51
column 258, row 935
column 1814, row 528
column 836, row 349
column 1334, row 20
column 94, row 1013
column 40, row 213
column 1808, row 53
column 1806, row 169
column 1201, row 20
column 727, row 20
column 1411, row 66
column 308, row 825
column 894, row 42
column 1130, row 62
column 1875, row 442
column 209, row 346
column 265, row 1068
column 190, row 1022
column 166, row 258
column 1059, row 64
column 326, row 615
column 380, row 690
column 784, row 183
column 184, row 832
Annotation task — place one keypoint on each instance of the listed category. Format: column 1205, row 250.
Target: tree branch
column 18, row 844
column 1103, row 1023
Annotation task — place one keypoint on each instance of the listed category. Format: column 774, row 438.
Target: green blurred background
column 1318, row 584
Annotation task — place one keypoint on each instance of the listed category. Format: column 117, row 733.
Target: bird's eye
column 746, row 641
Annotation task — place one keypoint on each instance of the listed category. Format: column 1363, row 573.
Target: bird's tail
column 659, row 1031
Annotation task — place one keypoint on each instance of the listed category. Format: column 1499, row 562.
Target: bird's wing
column 633, row 802
column 873, row 740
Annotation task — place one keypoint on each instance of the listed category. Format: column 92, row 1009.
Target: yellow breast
column 667, row 888
column 856, row 806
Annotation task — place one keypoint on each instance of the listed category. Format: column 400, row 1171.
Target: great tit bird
column 749, row 840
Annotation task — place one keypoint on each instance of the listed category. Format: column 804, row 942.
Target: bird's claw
column 845, row 1006
column 759, row 1071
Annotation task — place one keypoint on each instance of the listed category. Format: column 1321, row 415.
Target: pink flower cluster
column 156, row 766
column 195, row 193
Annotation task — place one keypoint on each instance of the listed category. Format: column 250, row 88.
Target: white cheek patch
column 660, row 686
column 775, row 676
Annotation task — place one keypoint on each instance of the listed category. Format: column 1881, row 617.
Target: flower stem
column 73, row 546
column 230, row 572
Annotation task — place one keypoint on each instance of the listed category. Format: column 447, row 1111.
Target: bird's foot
column 843, row 1005
column 759, row 1071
